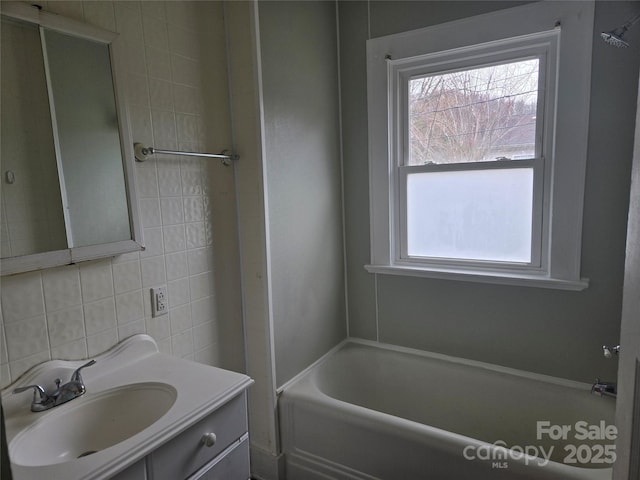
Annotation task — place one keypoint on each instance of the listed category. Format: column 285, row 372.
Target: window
column 478, row 147
column 463, row 193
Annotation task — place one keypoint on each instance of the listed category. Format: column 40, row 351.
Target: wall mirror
column 67, row 187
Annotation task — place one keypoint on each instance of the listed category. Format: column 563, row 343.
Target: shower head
column 616, row 37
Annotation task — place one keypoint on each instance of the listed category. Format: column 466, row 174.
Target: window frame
column 560, row 35
column 541, row 46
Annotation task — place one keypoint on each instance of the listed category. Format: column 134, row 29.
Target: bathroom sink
column 90, row 424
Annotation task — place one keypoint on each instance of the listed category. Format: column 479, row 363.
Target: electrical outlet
column 159, row 302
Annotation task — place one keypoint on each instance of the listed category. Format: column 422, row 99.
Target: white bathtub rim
column 563, row 382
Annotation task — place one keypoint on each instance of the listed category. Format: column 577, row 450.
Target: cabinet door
column 187, row 453
column 234, row 465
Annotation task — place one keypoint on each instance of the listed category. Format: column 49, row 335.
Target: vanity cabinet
column 137, row 471
column 215, row 448
column 146, row 416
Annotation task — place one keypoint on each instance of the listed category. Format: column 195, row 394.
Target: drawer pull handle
column 208, row 439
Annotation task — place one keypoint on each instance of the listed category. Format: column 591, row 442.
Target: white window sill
column 500, row 278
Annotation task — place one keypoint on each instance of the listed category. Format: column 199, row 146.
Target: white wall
column 284, row 81
column 178, row 99
column 628, row 463
column 298, row 47
column 541, row 330
column 244, row 73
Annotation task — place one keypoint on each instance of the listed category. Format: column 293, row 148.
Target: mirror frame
column 36, row 261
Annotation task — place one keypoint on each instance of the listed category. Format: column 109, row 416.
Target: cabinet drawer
column 234, row 465
column 182, row 456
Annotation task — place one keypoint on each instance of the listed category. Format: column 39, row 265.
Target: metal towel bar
column 142, row 152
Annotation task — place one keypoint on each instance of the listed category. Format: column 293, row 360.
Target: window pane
column 471, row 215
column 476, row 115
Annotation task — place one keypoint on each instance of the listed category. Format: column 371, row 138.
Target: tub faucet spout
column 607, row 389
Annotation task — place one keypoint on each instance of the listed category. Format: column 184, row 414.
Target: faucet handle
column 609, row 352
column 76, row 377
column 37, row 389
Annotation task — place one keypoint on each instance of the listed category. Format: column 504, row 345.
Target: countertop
column 201, row 389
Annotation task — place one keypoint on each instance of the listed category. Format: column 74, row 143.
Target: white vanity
column 145, row 415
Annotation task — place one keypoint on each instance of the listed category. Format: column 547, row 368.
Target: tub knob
column 609, row 352
column 208, row 439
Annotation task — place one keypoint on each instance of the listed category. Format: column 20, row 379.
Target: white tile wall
column 81, row 310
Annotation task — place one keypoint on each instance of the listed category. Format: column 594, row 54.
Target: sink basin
column 90, row 424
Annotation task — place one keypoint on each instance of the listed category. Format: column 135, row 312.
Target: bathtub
column 369, row 411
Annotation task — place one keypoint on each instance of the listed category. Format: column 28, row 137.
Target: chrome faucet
column 607, row 389
column 62, row 394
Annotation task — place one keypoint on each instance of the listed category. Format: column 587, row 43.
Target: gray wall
column 303, row 180
column 549, row 331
